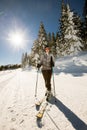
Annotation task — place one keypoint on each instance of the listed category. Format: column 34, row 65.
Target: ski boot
column 48, row 95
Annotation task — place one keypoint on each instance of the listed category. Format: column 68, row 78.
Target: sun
column 17, row 39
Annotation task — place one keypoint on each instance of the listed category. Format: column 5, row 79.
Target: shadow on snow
column 76, row 122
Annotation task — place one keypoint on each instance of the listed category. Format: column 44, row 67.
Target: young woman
column 47, row 63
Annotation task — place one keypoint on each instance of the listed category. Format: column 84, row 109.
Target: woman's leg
column 47, row 77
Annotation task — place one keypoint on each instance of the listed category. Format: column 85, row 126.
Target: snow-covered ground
column 69, row 112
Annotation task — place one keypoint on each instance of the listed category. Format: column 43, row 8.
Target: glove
column 38, row 66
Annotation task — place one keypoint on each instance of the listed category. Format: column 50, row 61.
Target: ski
column 40, row 114
column 47, row 98
column 41, row 106
column 39, row 102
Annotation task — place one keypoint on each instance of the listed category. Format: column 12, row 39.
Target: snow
column 69, row 112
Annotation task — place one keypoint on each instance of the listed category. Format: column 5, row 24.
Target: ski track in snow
column 17, row 98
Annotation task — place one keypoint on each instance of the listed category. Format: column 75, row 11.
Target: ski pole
column 54, row 85
column 36, row 84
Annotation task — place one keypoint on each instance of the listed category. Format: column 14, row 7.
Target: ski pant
column 47, row 78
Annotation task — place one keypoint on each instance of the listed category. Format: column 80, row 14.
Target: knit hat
column 47, row 47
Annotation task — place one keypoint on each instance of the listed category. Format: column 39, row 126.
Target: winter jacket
column 47, row 61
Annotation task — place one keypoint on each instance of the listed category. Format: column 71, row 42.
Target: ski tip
column 38, row 103
column 37, row 106
column 39, row 116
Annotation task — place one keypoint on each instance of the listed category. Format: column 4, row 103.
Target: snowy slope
column 17, row 97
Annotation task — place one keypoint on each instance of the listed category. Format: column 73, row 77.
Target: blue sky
column 26, row 15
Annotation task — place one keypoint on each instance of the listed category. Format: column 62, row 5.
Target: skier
column 47, row 63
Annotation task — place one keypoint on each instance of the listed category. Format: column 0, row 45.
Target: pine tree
column 41, row 41
column 49, row 38
column 63, row 27
column 42, row 38
column 22, row 61
column 78, row 25
column 35, row 47
column 70, row 40
column 63, row 22
column 25, row 60
column 73, row 41
column 85, row 24
column 53, row 44
column 39, row 44
column 58, row 45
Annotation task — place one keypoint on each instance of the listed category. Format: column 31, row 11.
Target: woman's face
column 47, row 49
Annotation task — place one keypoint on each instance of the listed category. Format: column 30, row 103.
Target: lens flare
column 17, row 39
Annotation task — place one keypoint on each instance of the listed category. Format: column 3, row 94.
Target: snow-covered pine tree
column 73, row 41
column 22, row 61
column 85, row 24
column 41, row 41
column 39, row 44
column 58, row 46
column 49, row 38
column 42, row 38
column 78, row 25
column 52, row 44
column 32, row 59
column 63, row 27
column 25, row 60
column 70, row 40
column 35, row 47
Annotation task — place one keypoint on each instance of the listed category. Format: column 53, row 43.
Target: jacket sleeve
column 40, row 62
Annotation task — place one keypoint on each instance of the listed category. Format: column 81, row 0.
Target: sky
column 23, row 17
